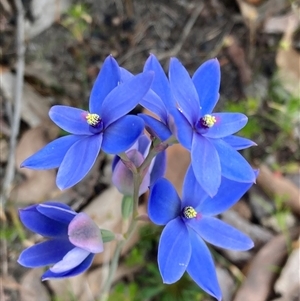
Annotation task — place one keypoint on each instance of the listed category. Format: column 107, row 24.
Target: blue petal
column 122, row 134
column 78, row 270
column 125, row 97
column 233, row 164
column 184, row 91
column 238, row 143
column 154, row 104
column 207, row 83
column 228, row 194
column 183, row 130
column 108, row 79
column 45, row 253
column 226, row 124
column 39, row 223
column 174, row 251
column 70, row 119
column 164, row 202
column 56, row 204
column 71, row 260
column 220, row 234
column 78, row 161
column 155, row 127
column 61, row 215
column 125, row 75
column 159, row 167
column 206, row 164
column 143, row 144
column 193, row 194
column 201, row 267
column 52, row 154
column 160, row 83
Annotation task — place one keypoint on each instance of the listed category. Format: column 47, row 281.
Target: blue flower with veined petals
column 208, row 135
column 73, row 240
column 188, row 223
column 104, row 127
column 122, row 177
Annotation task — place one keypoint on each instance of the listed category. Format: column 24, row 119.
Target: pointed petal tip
column 19, row 261
column 61, row 186
column 214, row 63
column 110, row 57
column 151, row 57
column 174, row 59
column 251, row 245
column 25, row 163
column 45, row 278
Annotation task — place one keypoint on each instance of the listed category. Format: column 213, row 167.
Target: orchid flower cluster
column 216, row 179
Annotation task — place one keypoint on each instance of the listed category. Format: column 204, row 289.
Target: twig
column 15, row 122
column 185, row 32
column 261, row 274
column 276, row 186
column 10, row 170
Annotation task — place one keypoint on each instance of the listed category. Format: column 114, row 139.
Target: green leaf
column 127, row 206
column 107, row 235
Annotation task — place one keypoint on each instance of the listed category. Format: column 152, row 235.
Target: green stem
column 112, row 270
column 116, row 257
column 138, row 175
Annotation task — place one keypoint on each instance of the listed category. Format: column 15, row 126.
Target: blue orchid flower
column 208, row 135
column 163, row 127
column 188, row 223
column 122, row 177
column 158, row 100
column 104, row 127
column 73, row 240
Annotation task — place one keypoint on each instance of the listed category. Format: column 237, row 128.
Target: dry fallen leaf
column 32, row 287
column 226, row 282
column 45, row 13
column 279, row 186
column 255, row 12
column 263, row 269
column 289, row 276
column 38, row 184
column 35, row 107
column 288, row 59
column 178, row 160
column 237, row 56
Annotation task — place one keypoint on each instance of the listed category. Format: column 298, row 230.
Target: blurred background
column 51, row 53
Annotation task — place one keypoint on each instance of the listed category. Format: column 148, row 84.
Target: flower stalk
column 138, row 175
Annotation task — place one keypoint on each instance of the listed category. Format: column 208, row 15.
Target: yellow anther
column 189, row 212
column 208, row 120
column 92, row 119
